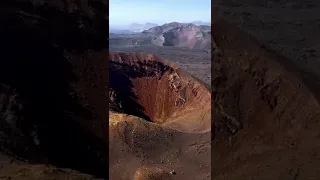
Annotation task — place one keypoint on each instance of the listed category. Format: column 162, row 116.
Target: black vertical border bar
column 214, row 17
column 213, row 93
column 107, row 89
column 104, row 20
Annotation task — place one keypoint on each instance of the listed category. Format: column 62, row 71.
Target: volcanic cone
column 160, row 117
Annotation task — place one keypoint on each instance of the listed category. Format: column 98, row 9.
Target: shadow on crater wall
column 120, row 83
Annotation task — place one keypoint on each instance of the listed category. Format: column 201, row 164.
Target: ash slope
column 266, row 118
column 169, row 123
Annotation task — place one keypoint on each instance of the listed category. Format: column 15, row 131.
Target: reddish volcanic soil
column 266, row 120
column 160, row 120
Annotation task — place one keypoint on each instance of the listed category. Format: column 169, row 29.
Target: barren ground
column 288, row 27
column 272, row 102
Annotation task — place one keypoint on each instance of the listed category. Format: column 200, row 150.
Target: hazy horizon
column 123, row 13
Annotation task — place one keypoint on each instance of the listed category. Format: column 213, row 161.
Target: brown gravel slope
column 266, row 124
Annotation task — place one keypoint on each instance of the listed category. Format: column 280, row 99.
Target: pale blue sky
column 125, row 12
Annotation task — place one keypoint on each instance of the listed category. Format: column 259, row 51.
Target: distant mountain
column 135, row 27
column 120, row 31
column 199, row 23
column 168, row 26
column 174, row 34
column 180, row 35
column 161, row 29
column 131, row 29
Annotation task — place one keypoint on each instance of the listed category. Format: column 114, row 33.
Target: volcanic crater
column 159, row 117
column 157, row 91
